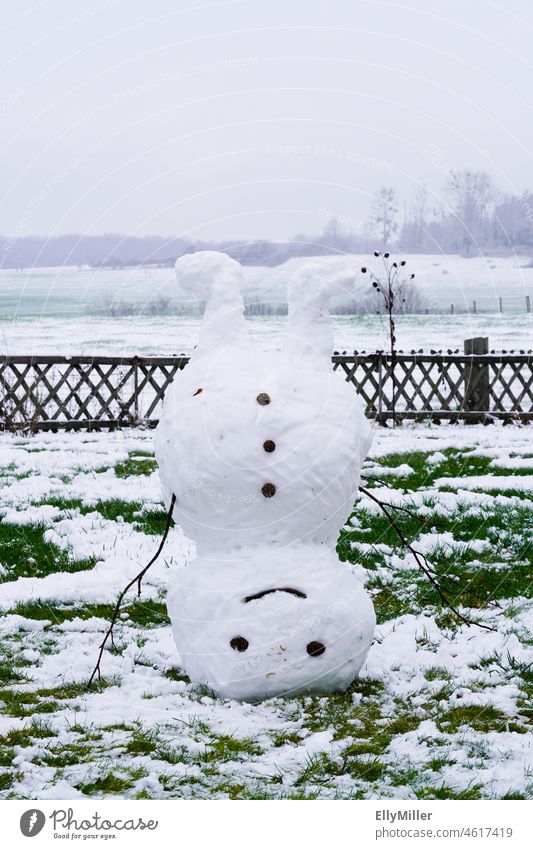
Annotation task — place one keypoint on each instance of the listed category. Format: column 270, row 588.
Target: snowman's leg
column 217, row 279
column 309, row 331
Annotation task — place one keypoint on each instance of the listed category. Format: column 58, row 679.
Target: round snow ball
column 263, row 398
column 315, row 648
column 269, row 445
column 239, row 643
column 268, row 490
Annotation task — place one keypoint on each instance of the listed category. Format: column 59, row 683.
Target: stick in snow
column 421, row 560
column 423, row 521
column 136, row 580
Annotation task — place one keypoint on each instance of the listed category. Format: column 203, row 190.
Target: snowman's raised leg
column 309, row 339
column 309, row 331
column 217, row 279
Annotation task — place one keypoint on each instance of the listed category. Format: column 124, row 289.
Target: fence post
column 380, row 385
column 528, row 304
column 476, row 376
column 136, row 389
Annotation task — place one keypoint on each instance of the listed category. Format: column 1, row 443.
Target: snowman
column 263, row 453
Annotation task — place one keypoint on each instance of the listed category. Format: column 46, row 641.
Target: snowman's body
column 263, row 453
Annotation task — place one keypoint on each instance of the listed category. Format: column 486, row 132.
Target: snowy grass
column 442, row 709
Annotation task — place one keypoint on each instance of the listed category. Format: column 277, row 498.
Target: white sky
column 252, row 117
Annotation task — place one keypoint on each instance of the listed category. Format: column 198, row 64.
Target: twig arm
column 421, row 560
column 136, row 580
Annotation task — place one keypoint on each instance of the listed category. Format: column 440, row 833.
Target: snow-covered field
column 165, row 336
column 442, row 710
column 49, row 310
column 443, row 279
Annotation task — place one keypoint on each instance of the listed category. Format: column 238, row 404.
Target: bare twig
column 136, row 580
column 422, row 520
column 421, row 560
column 380, row 481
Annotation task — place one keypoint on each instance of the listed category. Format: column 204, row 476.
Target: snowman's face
column 280, row 640
column 283, row 644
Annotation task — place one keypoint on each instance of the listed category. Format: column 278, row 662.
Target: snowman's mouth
column 263, row 593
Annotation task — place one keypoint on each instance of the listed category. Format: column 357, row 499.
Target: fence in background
column 52, row 393
column 473, row 309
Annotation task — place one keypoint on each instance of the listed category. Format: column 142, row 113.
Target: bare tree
column 383, row 217
column 415, row 227
column 390, row 283
column 513, row 220
column 471, row 195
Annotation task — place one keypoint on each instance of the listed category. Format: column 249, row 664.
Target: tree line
column 472, row 216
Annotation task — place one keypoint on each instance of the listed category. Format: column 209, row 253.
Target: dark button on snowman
column 263, row 452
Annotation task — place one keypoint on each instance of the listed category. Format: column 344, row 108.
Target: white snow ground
column 442, row 709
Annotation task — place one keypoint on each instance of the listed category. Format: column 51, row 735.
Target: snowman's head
column 309, row 628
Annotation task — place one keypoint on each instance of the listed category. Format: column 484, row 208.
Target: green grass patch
column 138, row 463
column 446, row 792
column 35, row 730
column 457, row 464
column 26, row 554
column 141, row 743
column 225, row 747
column 176, row 674
column 479, row 718
column 144, row 614
column 63, row 755
column 150, row 522
column 22, row 703
column 8, row 671
column 111, row 783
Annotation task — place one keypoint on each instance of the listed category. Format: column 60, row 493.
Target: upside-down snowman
column 263, row 453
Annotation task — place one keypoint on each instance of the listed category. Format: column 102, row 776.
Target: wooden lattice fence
column 52, row 392
column 442, row 386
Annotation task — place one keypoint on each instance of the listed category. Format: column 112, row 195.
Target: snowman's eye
column 239, row 643
column 315, row 648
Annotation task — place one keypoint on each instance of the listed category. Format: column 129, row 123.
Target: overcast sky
column 253, row 117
